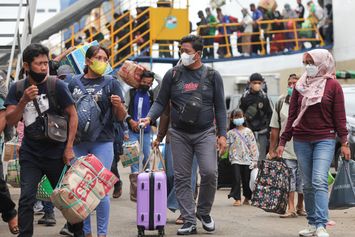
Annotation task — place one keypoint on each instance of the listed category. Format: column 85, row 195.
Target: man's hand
column 116, row 101
column 280, row 151
column 134, row 125
column 146, row 121
column 272, row 154
column 155, row 144
column 125, row 137
column 345, row 151
column 30, row 93
column 221, row 144
column 68, row 155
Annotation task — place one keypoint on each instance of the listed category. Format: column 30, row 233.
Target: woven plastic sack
column 130, row 154
column 44, row 190
column 81, row 189
column 131, row 73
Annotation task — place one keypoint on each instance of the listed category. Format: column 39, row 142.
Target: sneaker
column 322, row 232
column 66, row 231
column 187, row 229
column 207, row 222
column 38, row 208
column 309, row 231
column 47, row 219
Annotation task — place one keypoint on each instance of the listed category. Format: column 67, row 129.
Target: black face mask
column 144, row 87
column 37, row 77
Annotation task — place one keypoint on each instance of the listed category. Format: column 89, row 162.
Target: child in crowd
column 243, row 155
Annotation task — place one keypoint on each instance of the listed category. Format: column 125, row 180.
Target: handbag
column 50, row 127
column 130, row 154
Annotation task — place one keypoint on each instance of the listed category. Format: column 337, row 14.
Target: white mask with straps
column 187, row 59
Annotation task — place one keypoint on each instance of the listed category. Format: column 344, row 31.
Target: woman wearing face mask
column 107, row 94
column 243, row 155
column 316, row 116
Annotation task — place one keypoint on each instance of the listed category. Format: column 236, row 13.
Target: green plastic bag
column 225, row 155
column 44, row 190
column 331, row 178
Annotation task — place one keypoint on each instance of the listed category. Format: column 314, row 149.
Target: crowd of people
column 254, row 29
column 193, row 117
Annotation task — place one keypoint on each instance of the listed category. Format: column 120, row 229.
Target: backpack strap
column 51, row 90
column 177, row 70
column 278, row 107
column 20, row 87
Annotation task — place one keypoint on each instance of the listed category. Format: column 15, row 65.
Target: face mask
column 98, row 67
column 37, row 77
column 238, row 121
column 289, row 91
column 187, row 59
column 311, row 70
column 144, row 87
column 256, row 87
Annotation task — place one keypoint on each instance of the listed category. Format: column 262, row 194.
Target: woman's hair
column 92, row 51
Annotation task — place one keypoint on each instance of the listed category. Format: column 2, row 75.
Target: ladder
column 20, row 38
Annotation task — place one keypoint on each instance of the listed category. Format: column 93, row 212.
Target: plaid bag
column 44, row 190
column 130, row 154
column 13, row 173
column 272, row 186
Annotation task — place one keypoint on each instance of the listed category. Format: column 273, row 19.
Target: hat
column 64, row 70
column 256, row 77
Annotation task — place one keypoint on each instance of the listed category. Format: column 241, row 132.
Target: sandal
column 237, row 203
column 179, row 220
column 13, row 226
column 301, row 212
column 289, row 215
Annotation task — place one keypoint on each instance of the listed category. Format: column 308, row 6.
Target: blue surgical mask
column 289, row 90
column 238, row 121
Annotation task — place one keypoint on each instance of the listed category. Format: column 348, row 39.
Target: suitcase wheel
column 161, row 232
column 140, row 232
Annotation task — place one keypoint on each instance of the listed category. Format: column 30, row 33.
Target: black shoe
column 65, row 231
column 187, row 229
column 47, row 219
column 207, row 222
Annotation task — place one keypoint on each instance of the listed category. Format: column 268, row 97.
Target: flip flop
column 289, row 215
column 301, row 213
column 179, row 220
column 13, row 226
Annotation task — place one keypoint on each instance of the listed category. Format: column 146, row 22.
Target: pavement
column 244, row 221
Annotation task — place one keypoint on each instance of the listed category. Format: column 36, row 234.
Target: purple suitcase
column 151, row 202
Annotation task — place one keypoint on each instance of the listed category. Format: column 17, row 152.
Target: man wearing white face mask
column 257, row 109
column 197, row 98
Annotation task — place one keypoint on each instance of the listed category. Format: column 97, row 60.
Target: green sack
column 44, row 190
column 331, row 178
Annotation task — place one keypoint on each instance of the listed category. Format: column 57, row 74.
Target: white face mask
column 312, row 70
column 187, row 59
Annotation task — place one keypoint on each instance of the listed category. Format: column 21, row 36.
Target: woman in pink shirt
column 317, row 115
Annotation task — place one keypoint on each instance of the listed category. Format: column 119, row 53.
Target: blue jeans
column 104, row 152
column 172, row 202
column 314, row 159
column 133, row 136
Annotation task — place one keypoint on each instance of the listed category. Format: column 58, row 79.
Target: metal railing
column 292, row 27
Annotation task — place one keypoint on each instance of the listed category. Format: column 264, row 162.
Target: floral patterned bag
column 272, row 186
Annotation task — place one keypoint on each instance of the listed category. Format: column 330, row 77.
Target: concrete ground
column 244, row 221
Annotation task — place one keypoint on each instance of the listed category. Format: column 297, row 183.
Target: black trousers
column 32, row 170
column 241, row 176
column 7, row 206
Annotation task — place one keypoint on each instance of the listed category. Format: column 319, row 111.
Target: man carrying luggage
column 197, row 97
column 39, row 157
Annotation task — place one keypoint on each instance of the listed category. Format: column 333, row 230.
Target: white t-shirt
column 289, row 152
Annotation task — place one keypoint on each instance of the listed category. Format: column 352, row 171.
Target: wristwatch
column 346, row 144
